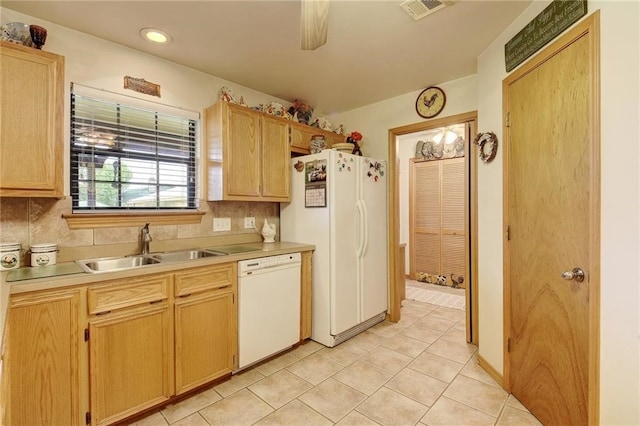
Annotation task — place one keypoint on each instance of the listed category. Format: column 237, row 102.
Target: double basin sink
column 110, row 264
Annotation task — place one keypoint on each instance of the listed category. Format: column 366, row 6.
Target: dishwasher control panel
column 268, row 262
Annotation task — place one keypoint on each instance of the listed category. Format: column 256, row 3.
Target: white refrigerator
column 339, row 204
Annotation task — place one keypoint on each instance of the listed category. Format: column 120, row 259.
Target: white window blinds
column 131, row 157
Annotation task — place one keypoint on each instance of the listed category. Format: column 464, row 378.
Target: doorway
column 403, row 139
column 551, row 217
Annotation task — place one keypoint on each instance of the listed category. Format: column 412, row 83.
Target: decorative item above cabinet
column 31, row 117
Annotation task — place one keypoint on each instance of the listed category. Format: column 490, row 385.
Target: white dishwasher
column 268, row 306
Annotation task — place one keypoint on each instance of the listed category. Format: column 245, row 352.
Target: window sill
column 117, row 220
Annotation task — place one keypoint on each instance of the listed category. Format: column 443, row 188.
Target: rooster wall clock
column 430, row 102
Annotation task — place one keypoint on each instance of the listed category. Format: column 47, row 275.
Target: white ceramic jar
column 10, row 255
column 43, row 254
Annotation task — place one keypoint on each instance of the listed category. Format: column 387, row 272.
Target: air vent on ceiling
column 418, row 9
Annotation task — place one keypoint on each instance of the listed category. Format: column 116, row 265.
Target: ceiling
column 374, row 50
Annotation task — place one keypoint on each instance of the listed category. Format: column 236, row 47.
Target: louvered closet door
column 437, row 231
column 425, row 217
column 453, row 237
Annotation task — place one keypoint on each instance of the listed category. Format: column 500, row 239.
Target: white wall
column 375, row 120
column 620, row 47
column 101, row 64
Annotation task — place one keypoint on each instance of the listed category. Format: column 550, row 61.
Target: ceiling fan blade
column 314, row 17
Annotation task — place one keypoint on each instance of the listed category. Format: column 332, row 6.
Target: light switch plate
column 249, row 222
column 221, row 224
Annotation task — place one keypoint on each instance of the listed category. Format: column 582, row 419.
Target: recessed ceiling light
column 155, row 35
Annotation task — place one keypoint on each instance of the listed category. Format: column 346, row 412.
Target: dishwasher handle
column 267, row 270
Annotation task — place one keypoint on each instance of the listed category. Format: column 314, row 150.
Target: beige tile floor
column 419, row 371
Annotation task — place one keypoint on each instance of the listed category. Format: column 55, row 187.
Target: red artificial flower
column 356, row 136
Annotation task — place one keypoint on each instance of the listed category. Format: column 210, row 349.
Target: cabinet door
column 32, row 87
column 275, row 159
column 242, row 156
column 130, row 366
column 42, row 359
column 300, row 136
column 206, row 338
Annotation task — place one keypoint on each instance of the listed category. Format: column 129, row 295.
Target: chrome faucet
column 145, row 236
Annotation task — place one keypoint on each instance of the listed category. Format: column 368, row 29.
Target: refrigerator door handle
column 361, row 228
column 365, row 228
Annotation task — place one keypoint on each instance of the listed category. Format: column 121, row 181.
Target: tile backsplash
column 39, row 220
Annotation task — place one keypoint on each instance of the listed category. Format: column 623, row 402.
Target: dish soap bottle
column 269, row 232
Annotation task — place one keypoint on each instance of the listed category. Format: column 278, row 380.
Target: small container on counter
column 10, row 255
column 43, row 254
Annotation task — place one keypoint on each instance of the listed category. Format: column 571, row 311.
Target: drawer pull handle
column 103, row 313
column 155, row 302
column 185, row 295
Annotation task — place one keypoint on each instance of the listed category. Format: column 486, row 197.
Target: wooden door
column 424, row 217
column 551, row 211
column 206, row 336
column 276, row 158
column 453, row 238
column 437, row 243
column 242, row 153
column 42, row 359
column 129, row 366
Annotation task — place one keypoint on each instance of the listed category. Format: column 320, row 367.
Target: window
column 128, row 157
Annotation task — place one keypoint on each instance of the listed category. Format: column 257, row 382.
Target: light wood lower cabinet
column 130, row 347
column 42, row 359
column 206, row 336
column 104, row 352
column 206, row 324
column 130, row 366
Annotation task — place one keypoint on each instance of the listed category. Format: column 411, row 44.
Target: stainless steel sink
column 110, row 264
column 185, row 255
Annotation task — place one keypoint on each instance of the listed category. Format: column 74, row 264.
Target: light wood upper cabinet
column 276, row 174
column 42, row 359
column 247, row 157
column 301, row 135
column 206, row 325
column 31, row 122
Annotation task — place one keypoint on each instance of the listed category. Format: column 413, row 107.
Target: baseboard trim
column 495, row 375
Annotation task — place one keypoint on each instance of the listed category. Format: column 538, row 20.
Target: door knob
column 575, row 274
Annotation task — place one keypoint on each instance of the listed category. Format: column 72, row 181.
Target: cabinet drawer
column 119, row 294
column 206, row 278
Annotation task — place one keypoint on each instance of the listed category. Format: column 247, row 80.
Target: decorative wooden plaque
column 141, row 85
column 553, row 20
